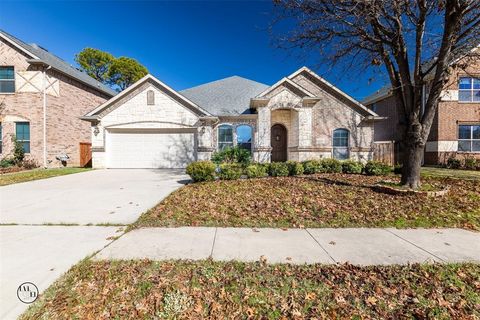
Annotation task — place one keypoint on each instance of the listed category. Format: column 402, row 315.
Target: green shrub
column 453, row 163
column 201, row 171
column 312, row 166
column 295, row 168
column 18, row 152
column 232, row 155
column 230, row 171
column 470, row 163
column 7, row 162
column 376, row 168
column 352, row 167
column 331, row 165
column 278, row 169
column 256, row 171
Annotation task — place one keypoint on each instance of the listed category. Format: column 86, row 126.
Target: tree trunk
column 412, row 157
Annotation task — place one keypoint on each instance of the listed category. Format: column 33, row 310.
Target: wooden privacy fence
column 85, row 154
column 384, row 151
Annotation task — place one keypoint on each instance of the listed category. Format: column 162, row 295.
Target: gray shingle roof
column 377, row 95
column 225, row 97
column 60, row 65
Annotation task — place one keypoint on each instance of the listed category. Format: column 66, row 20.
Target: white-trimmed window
column 225, row 136
column 7, row 79
column 340, row 144
column 469, row 138
column 22, row 134
column 244, row 137
column 469, row 89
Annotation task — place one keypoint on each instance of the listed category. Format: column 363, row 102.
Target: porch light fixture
column 96, row 131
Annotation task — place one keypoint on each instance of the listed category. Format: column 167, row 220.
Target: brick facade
column 64, row 128
column 443, row 138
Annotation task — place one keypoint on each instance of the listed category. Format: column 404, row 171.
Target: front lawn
column 314, row 201
column 450, row 173
column 23, row 176
column 233, row 290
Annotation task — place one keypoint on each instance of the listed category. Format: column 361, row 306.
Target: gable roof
column 225, row 97
column 333, row 88
column 39, row 54
column 93, row 115
column 285, row 81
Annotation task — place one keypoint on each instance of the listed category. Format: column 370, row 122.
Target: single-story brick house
column 302, row 116
column 41, row 100
column 455, row 130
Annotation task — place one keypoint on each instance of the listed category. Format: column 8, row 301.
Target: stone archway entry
column 279, row 143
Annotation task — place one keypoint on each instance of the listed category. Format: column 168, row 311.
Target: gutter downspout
column 45, row 116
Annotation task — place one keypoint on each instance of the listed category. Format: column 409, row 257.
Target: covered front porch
column 284, row 128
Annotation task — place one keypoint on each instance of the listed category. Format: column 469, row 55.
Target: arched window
column 340, row 144
column 150, row 97
column 225, row 136
column 244, row 137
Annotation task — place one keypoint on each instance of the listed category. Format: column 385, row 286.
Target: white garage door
column 149, row 149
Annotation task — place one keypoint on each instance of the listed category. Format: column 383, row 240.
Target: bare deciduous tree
column 416, row 41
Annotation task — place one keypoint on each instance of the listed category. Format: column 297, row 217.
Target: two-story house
column 455, row 130
column 41, row 100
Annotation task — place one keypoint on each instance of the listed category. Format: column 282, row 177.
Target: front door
column 279, row 143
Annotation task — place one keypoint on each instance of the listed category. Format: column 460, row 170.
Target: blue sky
column 182, row 43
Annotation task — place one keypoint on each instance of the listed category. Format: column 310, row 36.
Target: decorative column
column 98, row 145
column 204, row 139
column 305, row 116
column 262, row 149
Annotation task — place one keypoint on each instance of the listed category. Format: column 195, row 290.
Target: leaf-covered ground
column 314, row 201
column 233, row 290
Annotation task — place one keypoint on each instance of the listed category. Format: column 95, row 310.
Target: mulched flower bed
column 11, row 169
column 325, row 200
column 233, row 290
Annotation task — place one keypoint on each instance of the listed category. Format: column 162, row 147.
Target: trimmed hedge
column 330, row 165
column 295, row 168
column 278, row 169
column 352, row 167
column 312, row 166
column 376, row 168
column 207, row 171
column 230, row 171
column 201, row 171
column 256, row 171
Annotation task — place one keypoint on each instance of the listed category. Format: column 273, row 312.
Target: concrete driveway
column 95, row 197
column 41, row 253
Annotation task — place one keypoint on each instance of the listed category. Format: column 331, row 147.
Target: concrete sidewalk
column 40, row 254
column 359, row 246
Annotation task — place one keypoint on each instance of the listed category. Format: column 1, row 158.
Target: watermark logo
column 27, row 292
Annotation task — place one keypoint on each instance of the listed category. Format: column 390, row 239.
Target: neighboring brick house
column 455, row 130
column 150, row 125
column 37, row 86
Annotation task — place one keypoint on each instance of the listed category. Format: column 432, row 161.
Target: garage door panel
column 149, row 150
